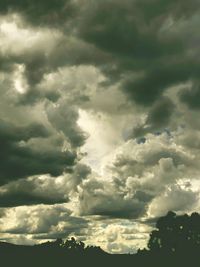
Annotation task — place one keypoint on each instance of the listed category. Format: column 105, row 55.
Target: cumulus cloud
column 40, row 220
column 104, row 199
column 99, row 118
column 19, row 160
column 174, row 198
column 142, row 35
column 43, row 189
column 64, row 118
column 32, row 191
column 140, row 174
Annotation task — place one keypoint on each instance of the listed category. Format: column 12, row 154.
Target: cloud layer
column 99, row 128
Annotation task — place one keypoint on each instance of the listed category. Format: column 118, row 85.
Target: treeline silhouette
column 174, row 242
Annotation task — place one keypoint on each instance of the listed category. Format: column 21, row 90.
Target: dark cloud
column 148, row 57
column 64, row 47
column 107, row 200
column 127, row 37
column 64, row 60
column 160, row 114
column 18, row 160
column 148, row 89
column 157, row 120
column 64, row 118
column 80, row 172
column 31, row 192
column 18, row 198
column 10, row 132
column 41, row 12
column 33, row 96
column 42, row 190
column 190, row 96
column 117, row 208
column 2, row 212
column 134, row 43
column 68, row 52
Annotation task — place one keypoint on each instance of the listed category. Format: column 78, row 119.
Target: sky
column 99, row 118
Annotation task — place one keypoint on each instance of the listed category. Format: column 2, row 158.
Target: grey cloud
column 149, row 49
column 143, row 173
column 40, row 220
column 158, row 118
column 32, row 191
column 148, row 89
column 131, row 36
column 65, row 49
column 105, row 200
column 52, row 13
column 145, row 158
column 34, row 95
column 176, row 199
column 19, row 160
column 152, row 157
column 42, row 190
column 190, row 140
column 125, row 166
column 80, row 172
column 191, row 96
column 130, row 42
column 142, row 48
column 55, row 217
column 160, row 113
column 2, row 212
column 8, row 131
column 74, row 226
column 124, row 37
column 18, row 198
column 64, row 118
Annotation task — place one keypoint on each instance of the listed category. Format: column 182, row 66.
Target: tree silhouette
column 73, row 245
column 176, row 234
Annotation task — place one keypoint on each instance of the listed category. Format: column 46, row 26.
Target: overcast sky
column 99, row 118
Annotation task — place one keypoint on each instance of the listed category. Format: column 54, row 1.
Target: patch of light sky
column 104, row 138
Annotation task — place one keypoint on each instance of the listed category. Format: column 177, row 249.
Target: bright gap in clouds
column 19, row 81
column 104, row 138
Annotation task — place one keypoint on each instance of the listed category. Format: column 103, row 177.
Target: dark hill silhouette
column 175, row 242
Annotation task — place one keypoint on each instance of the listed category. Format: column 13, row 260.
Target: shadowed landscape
column 174, row 242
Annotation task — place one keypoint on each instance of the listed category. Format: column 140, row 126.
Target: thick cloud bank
column 99, row 118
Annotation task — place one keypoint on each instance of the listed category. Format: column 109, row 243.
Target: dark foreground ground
column 12, row 255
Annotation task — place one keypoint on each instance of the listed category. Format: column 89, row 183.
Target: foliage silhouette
column 176, row 234
column 73, row 245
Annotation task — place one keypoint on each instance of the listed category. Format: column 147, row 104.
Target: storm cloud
column 99, row 128
column 19, row 160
